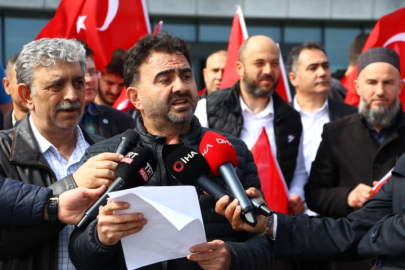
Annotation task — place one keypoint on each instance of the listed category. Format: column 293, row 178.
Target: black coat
column 346, row 157
column 21, row 203
column 248, row 251
column 30, row 247
column 374, row 231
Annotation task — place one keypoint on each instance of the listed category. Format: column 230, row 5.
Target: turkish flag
column 389, row 32
column 271, row 178
column 237, row 37
column 104, row 25
column 382, row 181
column 122, row 103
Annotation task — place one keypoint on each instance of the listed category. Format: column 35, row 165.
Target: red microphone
column 221, row 158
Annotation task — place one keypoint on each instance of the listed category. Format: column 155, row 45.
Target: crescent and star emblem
column 111, row 13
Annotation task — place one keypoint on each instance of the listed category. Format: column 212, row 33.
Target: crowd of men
column 58, row 154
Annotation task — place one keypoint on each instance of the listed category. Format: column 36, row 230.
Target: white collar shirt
column 312, row 125
column 62, row 167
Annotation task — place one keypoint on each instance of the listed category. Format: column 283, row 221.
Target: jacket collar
column 193, row 137
column 24, row 147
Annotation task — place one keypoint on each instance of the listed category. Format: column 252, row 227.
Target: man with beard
column 361, row 148
column 161, row 85
column 46, row 149
column 376, row 230
column 252, row 104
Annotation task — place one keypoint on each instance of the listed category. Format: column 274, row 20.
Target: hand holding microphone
column 221, row 158
column 134, row 170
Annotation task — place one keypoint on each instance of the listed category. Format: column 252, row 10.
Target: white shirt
column 252, row 127
column 312, row 125
column 62, row 167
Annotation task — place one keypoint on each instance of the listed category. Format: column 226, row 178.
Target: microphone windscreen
column 186, row 165
column 137, row 167
column 217, row 150
column 131, row 136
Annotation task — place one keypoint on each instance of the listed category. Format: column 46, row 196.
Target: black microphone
column 221, row 158
column 190, row 168
column 128, row 142
column 134, row 170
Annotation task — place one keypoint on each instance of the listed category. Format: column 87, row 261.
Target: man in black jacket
column 374, row 231
column 161, row 85
column 46, row 148
column 251, row 105
column 26, row 204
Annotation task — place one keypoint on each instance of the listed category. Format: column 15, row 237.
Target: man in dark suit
column 100, row 119
column 309, row 73
column 374, row 231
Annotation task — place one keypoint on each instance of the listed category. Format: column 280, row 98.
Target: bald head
column 254, row 43
column 258, row 66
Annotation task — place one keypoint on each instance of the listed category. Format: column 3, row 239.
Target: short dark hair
column 292, row 58
column 116, row 64
column 89, row 51
column 356, row 47
column 10, row 62
column 139, row 53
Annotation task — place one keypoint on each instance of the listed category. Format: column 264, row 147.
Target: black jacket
column 108, row 121
column 374, row 231
column 224, row 113
column 30, row 247
column 21, row 203
column 248, row 251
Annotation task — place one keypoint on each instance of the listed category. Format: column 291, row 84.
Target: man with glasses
column 99, row 119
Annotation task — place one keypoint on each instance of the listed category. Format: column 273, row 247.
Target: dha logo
column 223, row 141
column 206, row 149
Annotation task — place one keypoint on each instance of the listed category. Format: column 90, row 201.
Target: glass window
column 20, row 31
column 301, row 32
column 337, row 44
column 214, row 32
column 270, row 30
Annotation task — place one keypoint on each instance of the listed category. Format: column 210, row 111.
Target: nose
column 179, row 86
column 379, row 90
column 69, row 93
column 267, row 68
column 116, row 89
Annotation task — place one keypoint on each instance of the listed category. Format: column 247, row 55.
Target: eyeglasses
column 93, row 73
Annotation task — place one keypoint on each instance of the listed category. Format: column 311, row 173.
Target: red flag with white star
column 271, row 178
column 104, row 25
column 389, row 31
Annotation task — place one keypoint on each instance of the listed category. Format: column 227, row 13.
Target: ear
column 25, row 94
column 240, row 68
column 293, row 79
column 134, row 97
column 6, row 83
column 357, row 86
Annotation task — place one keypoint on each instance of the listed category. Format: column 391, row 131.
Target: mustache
column 65, row 106
column 268, row 77
column 178, row 95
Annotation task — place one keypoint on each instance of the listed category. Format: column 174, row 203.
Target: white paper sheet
column 174, row 223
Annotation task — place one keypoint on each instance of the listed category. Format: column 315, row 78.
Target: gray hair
column 47, row 52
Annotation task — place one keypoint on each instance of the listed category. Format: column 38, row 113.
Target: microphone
column 189, row 167
column 129, row 140
column 134, row 170
column 221, row 158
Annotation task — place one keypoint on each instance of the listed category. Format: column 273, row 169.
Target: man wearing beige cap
column 377, row 229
